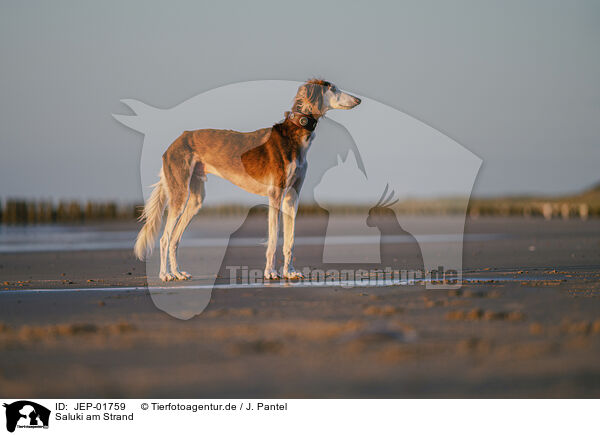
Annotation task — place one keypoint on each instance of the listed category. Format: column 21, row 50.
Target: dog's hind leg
column 275, row 196
column 194, row 203
column 177, row 169
column 175, row 211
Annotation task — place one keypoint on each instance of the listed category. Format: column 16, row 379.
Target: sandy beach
column 76, row 320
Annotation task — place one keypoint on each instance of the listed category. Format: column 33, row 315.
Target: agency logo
column 25, row 414
column 373, row 155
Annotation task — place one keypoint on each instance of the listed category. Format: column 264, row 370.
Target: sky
column 514, row 82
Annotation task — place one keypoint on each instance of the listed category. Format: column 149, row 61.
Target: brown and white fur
column 270, row 162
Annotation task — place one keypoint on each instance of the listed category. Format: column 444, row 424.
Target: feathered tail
column 152, row 215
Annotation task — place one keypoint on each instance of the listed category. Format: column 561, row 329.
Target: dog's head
column 316, row 97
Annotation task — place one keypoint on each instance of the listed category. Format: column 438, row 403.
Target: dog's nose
column 358, row 100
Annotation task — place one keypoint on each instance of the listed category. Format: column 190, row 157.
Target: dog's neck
column 300, row 136
column 303, row 120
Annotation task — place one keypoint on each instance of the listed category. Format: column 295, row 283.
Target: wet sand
column 526, row 324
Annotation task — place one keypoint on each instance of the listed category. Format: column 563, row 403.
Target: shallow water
column 283, row 284
column 59, row 238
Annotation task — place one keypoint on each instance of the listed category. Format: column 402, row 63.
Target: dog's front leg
column 274, row 209
column 289, row 209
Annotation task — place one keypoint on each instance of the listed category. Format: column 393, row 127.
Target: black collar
column 303, row 120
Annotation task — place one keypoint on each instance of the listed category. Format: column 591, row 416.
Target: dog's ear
column 314, row 94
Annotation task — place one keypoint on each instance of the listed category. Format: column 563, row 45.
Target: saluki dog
column 270, row 162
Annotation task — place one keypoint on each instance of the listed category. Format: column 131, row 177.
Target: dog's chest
column 294, row 170
column 296, row 167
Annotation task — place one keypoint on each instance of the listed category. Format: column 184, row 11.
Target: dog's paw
column 167, row 277
column 271, row 274
column 181, row 275
column 293, row 274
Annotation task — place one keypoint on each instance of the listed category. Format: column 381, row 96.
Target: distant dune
column 583, row 205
